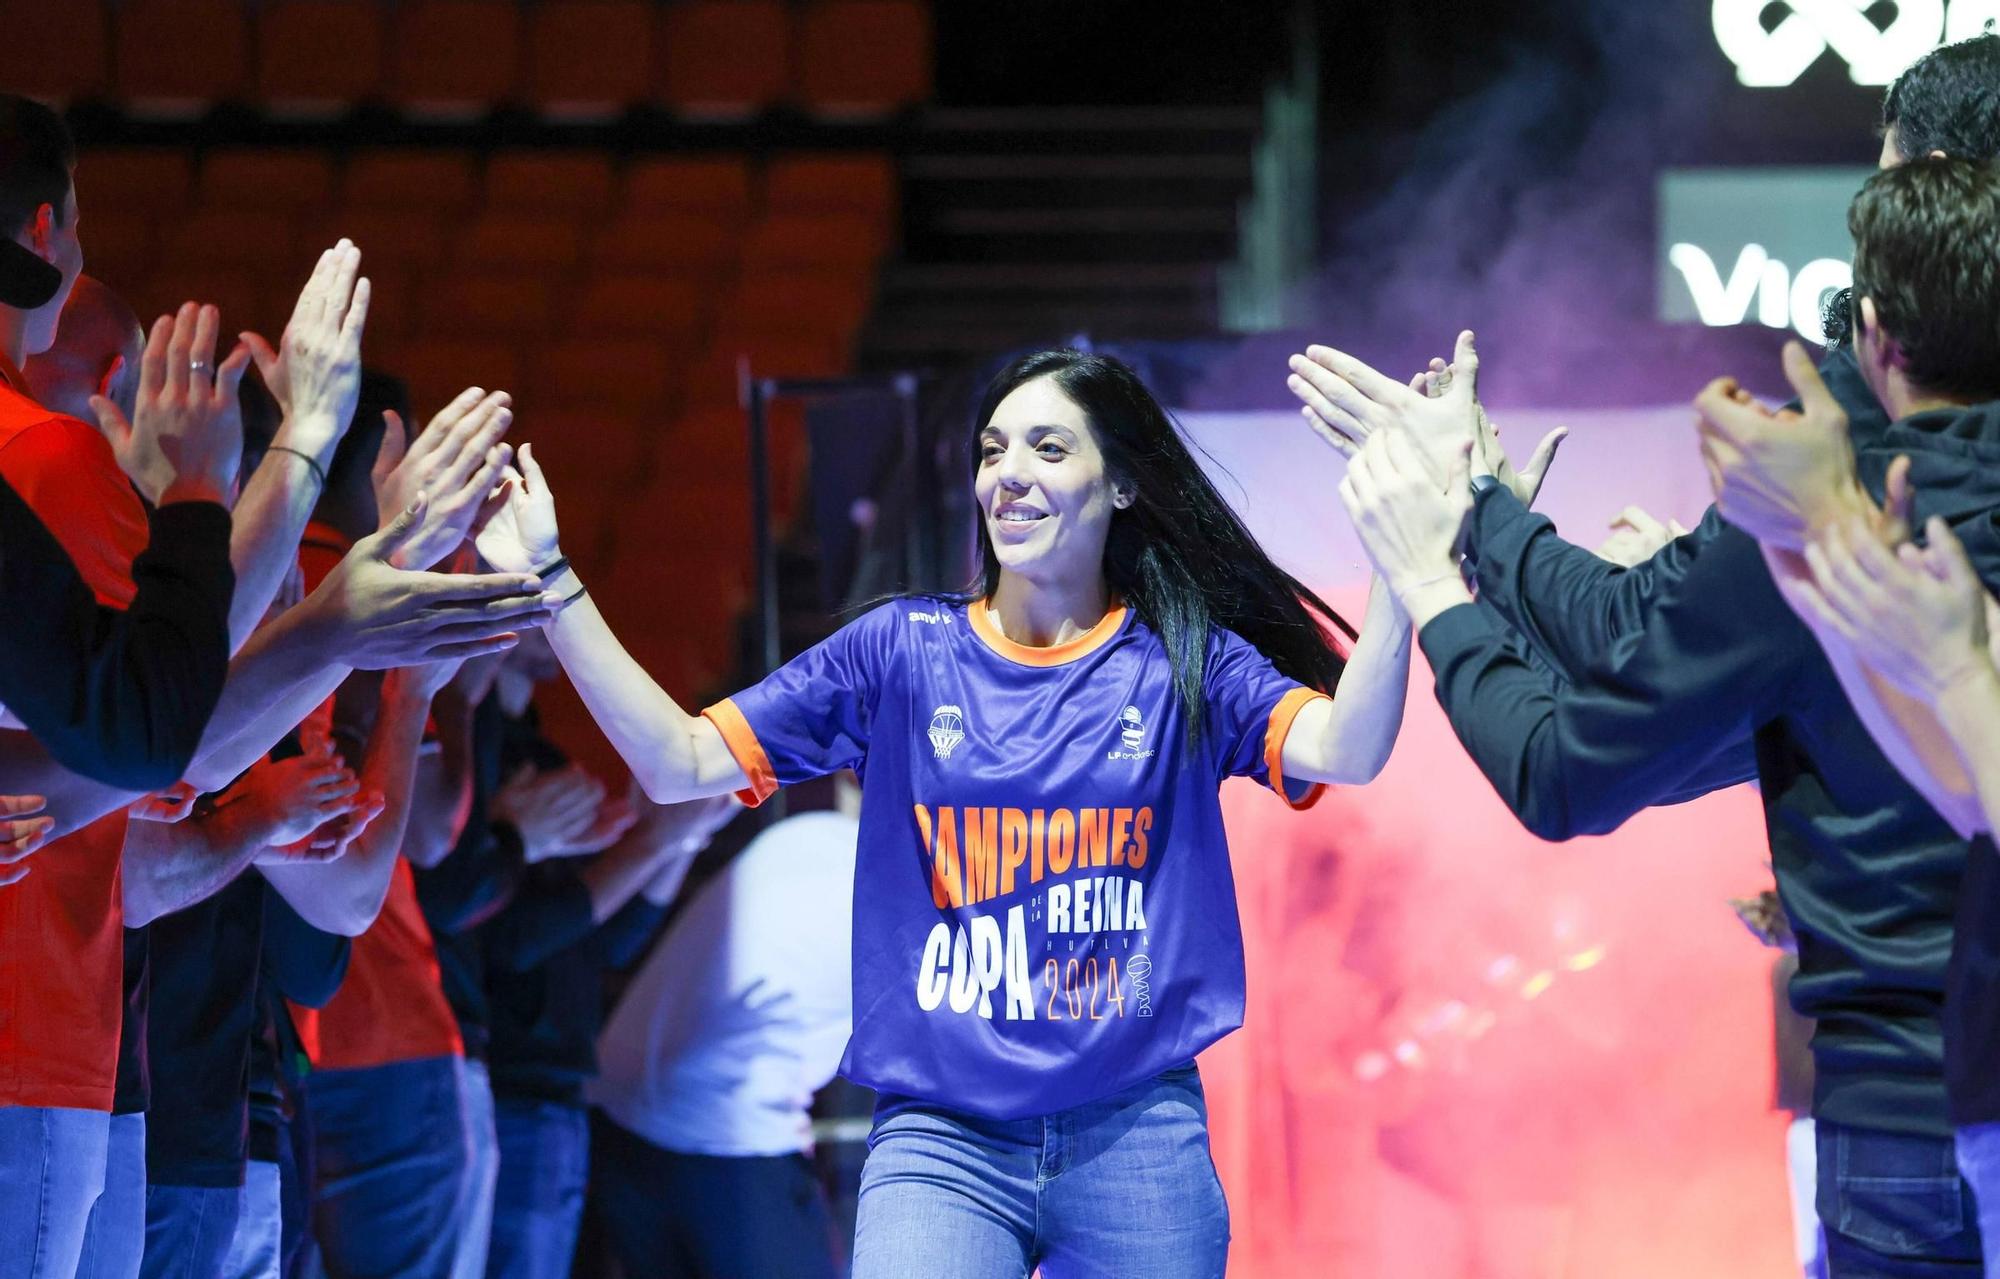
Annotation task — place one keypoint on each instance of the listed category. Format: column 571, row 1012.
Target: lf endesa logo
column 1772, row 42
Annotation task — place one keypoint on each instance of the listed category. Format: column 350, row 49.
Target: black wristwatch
column 1481, row 483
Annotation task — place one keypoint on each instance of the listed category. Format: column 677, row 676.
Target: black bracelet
column 581, row 591
column 318, row 472
column 553, row 567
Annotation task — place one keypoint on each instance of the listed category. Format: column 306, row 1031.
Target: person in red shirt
column 61, row 976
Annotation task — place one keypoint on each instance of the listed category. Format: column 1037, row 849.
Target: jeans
column 544, row 1168
column 475, row 1087
column 52, row 1168
column 1979, row 1162
column 391, row 1159
column 1802, row 1163
column 115, row 1239
column 253, row 1247
column 1119, row 1186
column 298, row 1251
column 677, row 1216
column 188, row 1229
column 1894, row 1206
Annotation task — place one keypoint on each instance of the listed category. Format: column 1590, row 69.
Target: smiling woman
column 1044, row 921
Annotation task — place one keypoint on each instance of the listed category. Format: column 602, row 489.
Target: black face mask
column 26, row 281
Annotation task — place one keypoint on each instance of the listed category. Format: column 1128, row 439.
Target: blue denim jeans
column 544, row 1169
column 482, row 1175
column 115, row 1239
column 188, row 1229
column 1119, row 1186
column 391, row 1158
column 1979, row 1163
column 51, row 1173
column 1894, row 1206
column 253, row 1246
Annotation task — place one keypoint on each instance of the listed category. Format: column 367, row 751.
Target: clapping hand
column 315, row 370
column 458, row 458
column 184, row 441
column 518, row 527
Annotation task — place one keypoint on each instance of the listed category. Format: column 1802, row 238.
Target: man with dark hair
column 1868, row 872
column 1947, row 103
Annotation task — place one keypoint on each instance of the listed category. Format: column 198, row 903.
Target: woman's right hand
column 517, row 531
column 21, row 833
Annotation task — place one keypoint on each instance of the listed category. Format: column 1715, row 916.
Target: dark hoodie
column 1674, row 670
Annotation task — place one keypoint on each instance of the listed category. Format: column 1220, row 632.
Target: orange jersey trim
column 1282, row 715
column 742, row 742
column 981, row 618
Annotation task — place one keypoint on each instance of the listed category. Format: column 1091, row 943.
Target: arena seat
column 635, row 375
column 589, row 59
column 862, row 184
column 663, row 307
column 863, row 57
column 439, row 368
column 156, row 180
column 56, row 52
column 454, row 58
column 567, row 183
column 291, row 181
column 665, row 243
column 295, row 75
column 496, row 305
column 443, row 181
column 520, row 242
column 725, row 57
column 177, row 57
column 715, row 187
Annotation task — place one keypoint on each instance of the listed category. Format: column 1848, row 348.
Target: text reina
column 978, row 854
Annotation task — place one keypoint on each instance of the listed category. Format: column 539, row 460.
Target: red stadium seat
column 439, row 368
column 498, row 306
column 175, row 57
column 725, row 57
column 521, row 243
column 252, row 239
column 283, row 181
column 572, row 183
column 811, row 304
column 713, row 187
column 156, row 181
column 120, row 246
column 639, row 376
column 863, row 57
column 846, row 240
column 443, row 181
column 858, row 184
column 318, row 57
column 666, row 243
column 56, row 52
column 664, row 307
column 454, row 58
column 238, row 292
column 589, row 59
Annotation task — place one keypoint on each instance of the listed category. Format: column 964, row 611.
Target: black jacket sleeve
column 1665, row 718
column 119, row 696
column 551, row 913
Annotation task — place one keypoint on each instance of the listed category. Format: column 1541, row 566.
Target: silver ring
column 197, row 366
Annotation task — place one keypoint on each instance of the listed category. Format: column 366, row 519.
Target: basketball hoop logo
column 947, row 730
column 1779, row 55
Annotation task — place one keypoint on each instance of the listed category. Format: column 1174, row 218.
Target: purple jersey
column 1043, row 907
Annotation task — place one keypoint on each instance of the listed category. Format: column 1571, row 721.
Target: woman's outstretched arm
column 674, row 755
column 1347, row 740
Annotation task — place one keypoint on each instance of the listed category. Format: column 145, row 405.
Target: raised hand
column 1488, row 456
column 184, row 441
column 285, row 801
column 1783, row 476
column 1636, row 537
column 331, row 841
column 166, row 807
column 1917, row 617
column 1410, row 524
column 552, row 811
column 315, row 370
column 371, row 615
column 21, row 833
column 1348, row 403
column 518, row 531
column 458, row 459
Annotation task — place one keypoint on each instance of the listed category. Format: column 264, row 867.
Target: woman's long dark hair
column 1178, row 555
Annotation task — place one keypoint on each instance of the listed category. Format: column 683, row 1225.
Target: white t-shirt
column 741, row 1012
